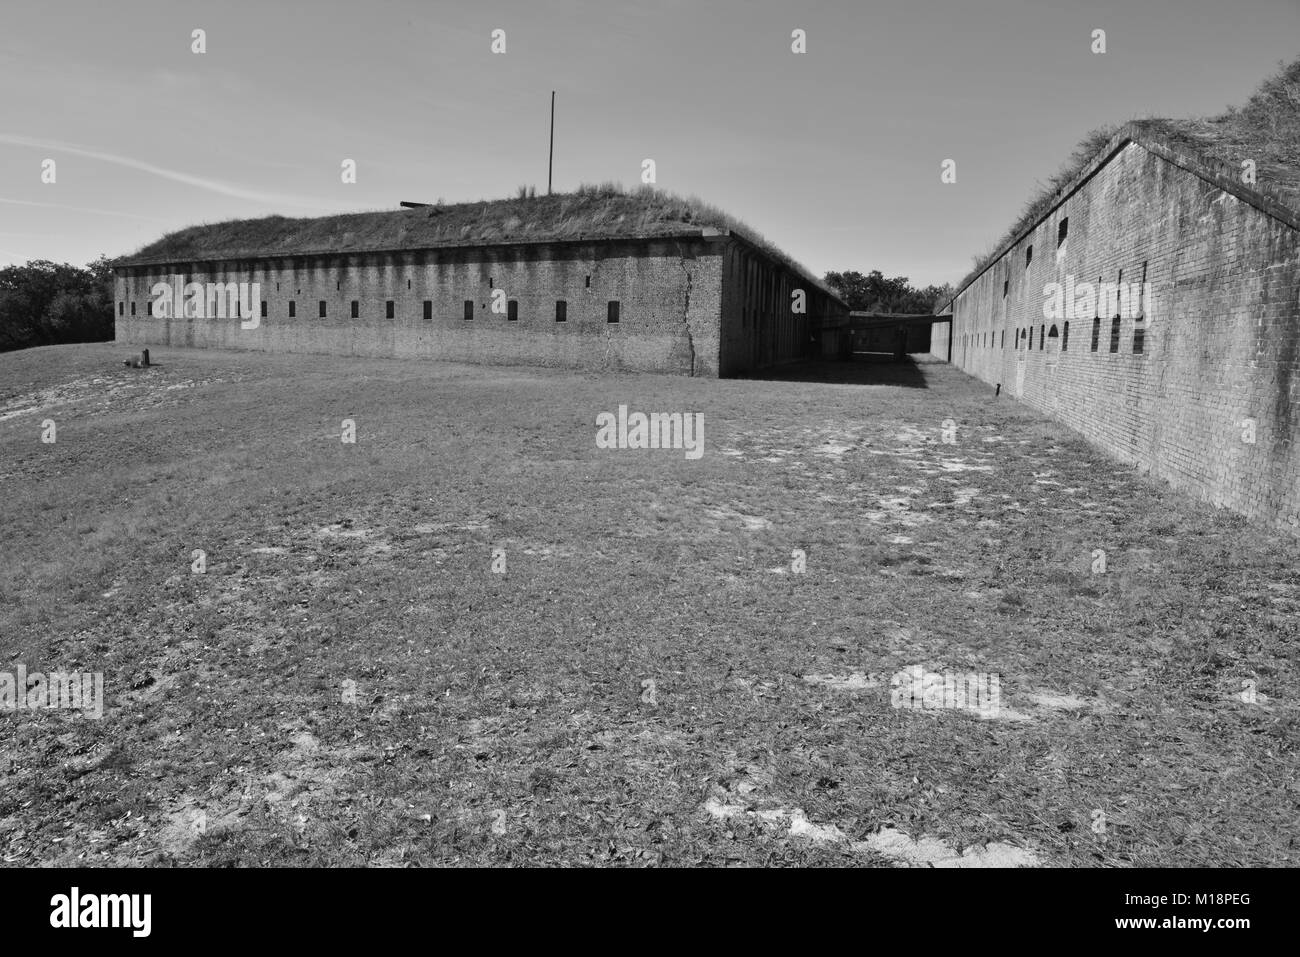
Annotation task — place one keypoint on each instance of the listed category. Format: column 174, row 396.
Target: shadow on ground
column 860, row 370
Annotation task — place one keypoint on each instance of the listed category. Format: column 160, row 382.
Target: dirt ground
column 474, row 637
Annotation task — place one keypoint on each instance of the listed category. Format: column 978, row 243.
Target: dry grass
column 1266, row 129
column 502, row 718
column 605, row 211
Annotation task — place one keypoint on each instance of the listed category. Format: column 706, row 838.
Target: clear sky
column 834, row 154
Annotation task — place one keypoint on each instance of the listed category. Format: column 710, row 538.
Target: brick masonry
column 700, row 306
column 1219, row 333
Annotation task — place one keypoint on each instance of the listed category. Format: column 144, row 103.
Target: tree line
column 875, row 293
column 44, row 303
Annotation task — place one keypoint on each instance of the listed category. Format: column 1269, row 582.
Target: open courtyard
column 475, row 636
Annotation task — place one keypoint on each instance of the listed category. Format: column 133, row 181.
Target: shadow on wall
column 860, row 370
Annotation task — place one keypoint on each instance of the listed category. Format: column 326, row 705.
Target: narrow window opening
column 428, row 309
column 1042, row 337
column 1139, row 323
column 613, row 311
column 469, row 308
column 293, row 309
column 121, row 308
column 1114, row 334
column 356, row 309
column 512, row 310
column 322, row 309
column 1096, row 333
column 561, row 311
column 1065, row 337
column 389, row 309
column 263, row 308
column 1029, row 255
column 133, row 308
column 1062, row 231
column 588, row 282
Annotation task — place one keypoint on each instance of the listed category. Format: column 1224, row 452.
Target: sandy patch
column 341, row 531
column 857, row 681
column 932, row 852
column 726, row 515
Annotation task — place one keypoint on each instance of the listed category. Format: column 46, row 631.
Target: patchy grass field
column 649, row 681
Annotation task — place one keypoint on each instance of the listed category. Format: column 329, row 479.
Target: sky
column 835, row 154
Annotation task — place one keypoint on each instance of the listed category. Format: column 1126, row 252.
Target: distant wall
column 939, row 333
column 1168, row 385
column 889, row 339
column 669, row 294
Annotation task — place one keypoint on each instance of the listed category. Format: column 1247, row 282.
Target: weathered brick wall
column 1219, row 332
column 759, row 327
column 669, row 292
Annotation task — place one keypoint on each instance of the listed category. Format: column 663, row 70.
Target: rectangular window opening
column 1062, row 231
column 428, row 310
column 561, row 311
column 512, row 310
column 469, row 308
column 613, row 311
column 323, row 313
column 390, row 309
column 356, row 309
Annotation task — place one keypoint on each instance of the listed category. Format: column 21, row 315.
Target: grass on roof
column 596, row 211
column 1266, row 129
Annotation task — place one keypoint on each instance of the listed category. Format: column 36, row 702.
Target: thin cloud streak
column 200, row 182
column 82, row 209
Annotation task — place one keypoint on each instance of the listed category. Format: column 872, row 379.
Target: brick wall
column 669, row 294
column 1219, row 332
column 759, row 325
